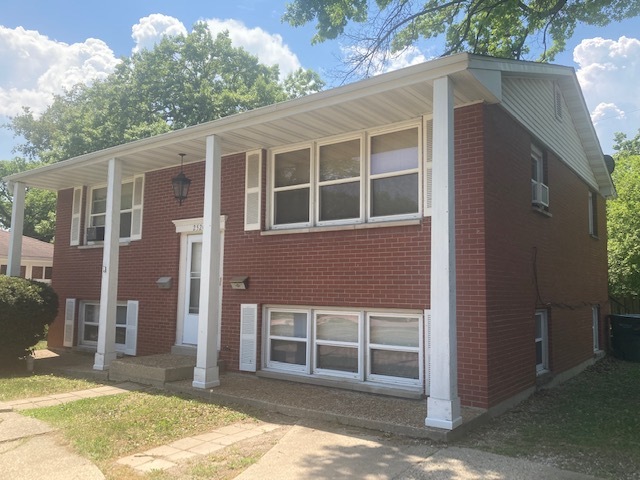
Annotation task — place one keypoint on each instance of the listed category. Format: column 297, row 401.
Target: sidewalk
column 327, row 452
column 311, row 449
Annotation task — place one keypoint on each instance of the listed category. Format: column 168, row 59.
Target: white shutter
column 76, row 209
column 248, row 336
column 136, row 214
column 69, row 322
column 428, row 166
column 427, row 350
column 252, row 191
column 132, row 328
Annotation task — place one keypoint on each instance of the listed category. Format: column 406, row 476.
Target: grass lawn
column 105, row 429
column 590, row 424
column 14, row 386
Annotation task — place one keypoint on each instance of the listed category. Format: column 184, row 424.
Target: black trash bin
column 625, row 336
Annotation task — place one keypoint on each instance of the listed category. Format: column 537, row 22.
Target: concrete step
column 155, row 370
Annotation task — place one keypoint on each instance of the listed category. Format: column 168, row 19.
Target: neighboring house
column 37, row 258
column 435, row 231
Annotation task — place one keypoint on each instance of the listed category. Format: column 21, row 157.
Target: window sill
column 346, row 384
column 541, row 211
column 101, row 245
column 335, row 228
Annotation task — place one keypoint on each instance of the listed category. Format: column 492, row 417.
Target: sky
column 47, row 45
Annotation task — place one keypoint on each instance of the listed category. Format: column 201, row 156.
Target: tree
column 185, row 80
column 500, row 28
column 40, row 205
column 623, row 220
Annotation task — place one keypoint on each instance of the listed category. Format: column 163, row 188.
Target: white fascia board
column 396, row 79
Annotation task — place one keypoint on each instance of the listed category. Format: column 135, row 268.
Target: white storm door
column 192, row 290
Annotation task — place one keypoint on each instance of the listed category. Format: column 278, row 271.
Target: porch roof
column 384, row 99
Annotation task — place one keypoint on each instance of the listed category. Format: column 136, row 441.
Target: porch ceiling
column 393, row 97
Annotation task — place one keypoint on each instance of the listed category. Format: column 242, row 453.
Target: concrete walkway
column 31, row 449
column 307, row 452
column 168, row 456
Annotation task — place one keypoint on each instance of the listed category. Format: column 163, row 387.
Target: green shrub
column 27, row 307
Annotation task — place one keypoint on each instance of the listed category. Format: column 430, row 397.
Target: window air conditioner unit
column 539, row 194
column 95, row 234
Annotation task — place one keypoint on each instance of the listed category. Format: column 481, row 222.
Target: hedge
column 27, row 307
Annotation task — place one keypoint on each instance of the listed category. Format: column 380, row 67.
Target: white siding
column 531, row 101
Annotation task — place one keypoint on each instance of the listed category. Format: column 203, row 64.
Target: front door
column 192, row 290
column 191, row 306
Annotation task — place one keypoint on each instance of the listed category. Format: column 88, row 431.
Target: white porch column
column 106, row 351
column 205, row 373
column 17, row 224
column 443, row 404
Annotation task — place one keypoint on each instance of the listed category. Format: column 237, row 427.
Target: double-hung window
column 361, row 345
column 593, row 214
column 394, row 174
column 539, row 189
column 126, row 325
column 130, row 210
column 542, row 341
column 369, row 177
column 292, row 187
column 339, row 185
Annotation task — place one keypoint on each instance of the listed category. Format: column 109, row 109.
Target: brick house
column 36, row 256
column 435, row 231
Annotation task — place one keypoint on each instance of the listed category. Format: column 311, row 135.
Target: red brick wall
column 498, row 236
column 78, row 270
column 470, row 256
column 536, row 261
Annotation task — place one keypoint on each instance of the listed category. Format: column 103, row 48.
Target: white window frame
column 417, row 171
column 539, row 190
column 365, row 177
column 120, row 347
column 363, row 346
column 283, row 366
column 542, row 316
column 273, row 189
column 336, row 343
column 396, row 348
column 595, row 326
column 134, row 210
column 319, row 184
column 593, row 214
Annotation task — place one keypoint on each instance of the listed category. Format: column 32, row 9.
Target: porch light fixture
column 181, row 183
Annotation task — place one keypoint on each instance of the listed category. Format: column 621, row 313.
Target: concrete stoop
column 155, row 370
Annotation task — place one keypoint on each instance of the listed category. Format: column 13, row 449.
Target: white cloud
column 384, row 61
column 150, row 30
column 33, row 68
column 608, row 71
column 269, row 48
column 606, row 111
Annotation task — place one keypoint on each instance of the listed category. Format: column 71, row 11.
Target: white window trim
column 273, row 189
column 361, row 179
column 365, row 178
column 539, row 190
column 364, row 366
column 593, row 214
column 359, row 374
column 420, row 349
column 595, row 326
column 89, row 215
column 418, row 171
column 543, row 315
column 282, row 366
column 120, row 347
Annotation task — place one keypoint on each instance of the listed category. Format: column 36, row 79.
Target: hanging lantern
column 181, row 183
